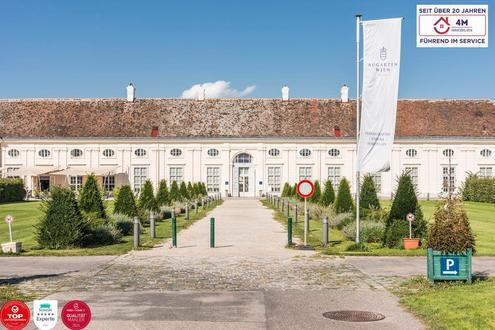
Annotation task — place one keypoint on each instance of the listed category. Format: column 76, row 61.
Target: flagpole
column 358, row 115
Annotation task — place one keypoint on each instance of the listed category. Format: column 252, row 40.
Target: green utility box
column 446, row 266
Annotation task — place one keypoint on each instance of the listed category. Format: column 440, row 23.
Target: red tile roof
column 234, row 118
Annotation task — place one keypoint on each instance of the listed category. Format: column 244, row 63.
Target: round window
column 486, row 153
column 411, row 152
column 108, row 153
column 176, row 152
column 448, row 152
column 43, row 153
column 334, row 152
column 305, row 152
column 212, row 152
column 274, row 152
column 13, row 153
column 76, row 153
column 140, row 152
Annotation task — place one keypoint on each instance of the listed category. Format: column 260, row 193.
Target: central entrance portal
column 243, row 176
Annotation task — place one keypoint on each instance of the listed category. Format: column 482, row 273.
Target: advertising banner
column 381, row 63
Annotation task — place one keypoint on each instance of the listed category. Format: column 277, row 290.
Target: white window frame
column 140, row 177
column 44, row 153
column 176, row 173
column 212, row 152
column 334, row 175
column 377, row 180
column 305, row 172
column 75, row 182
column 274, row 152
column 334, row 153
column 176, row 152
column 412, row 153
column 445, row 179
column 413, row 172
column 13, row 153
column 305, row 152
column 108, row 183
column 486, row 153
column 213, row 179
column 111, row 151
column 140, row 153
column 76, row 153
column 485, row 172
column 274, row 178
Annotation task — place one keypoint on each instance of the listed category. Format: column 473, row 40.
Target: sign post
column 410, row 219
column 9, row 219
column 305, row 189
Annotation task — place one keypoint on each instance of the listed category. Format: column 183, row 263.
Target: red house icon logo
column 442, row 26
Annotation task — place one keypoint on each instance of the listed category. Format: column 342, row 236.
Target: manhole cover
column 354, row 316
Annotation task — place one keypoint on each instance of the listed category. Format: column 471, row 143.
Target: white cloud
column 216, row 90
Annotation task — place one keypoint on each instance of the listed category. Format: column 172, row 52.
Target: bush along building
column 238, row 147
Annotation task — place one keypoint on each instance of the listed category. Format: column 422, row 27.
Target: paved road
column 250, row 281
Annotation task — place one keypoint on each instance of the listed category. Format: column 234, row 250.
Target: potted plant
column 410, row 243
column 451, row 243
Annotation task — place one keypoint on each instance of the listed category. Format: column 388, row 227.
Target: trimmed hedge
column 12, row 190
column 478, row 189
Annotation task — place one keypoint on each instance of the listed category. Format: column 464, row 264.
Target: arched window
column 448, row 152
column 305, row 152
column 14, row 153
column 76, row 153
column 140, row 152
column 274, row 152
column 486, row 153
column 44, row 153
column 176, row 152
column 108, row 153
column 242, row 158
column 334, row 152
column 213, row 152
column 411, row 152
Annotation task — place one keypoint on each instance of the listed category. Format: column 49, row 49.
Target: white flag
column 381, row 63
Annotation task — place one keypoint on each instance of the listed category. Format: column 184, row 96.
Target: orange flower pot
column 410, row 243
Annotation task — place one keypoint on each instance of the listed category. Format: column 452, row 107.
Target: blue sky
column 94, row 48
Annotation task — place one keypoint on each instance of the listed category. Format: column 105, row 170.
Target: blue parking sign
column 449, row 266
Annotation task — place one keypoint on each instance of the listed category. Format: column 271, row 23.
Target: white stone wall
column 195, row 159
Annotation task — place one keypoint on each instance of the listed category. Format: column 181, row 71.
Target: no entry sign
column 9, row 219
column 410, row 217
column 305, row 188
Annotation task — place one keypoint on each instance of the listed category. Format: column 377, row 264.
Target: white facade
column 269, row 163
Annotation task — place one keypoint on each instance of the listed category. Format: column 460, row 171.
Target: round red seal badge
column 15, row 315
column 76, row 314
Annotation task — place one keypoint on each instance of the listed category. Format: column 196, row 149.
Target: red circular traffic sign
column 410, row 217
column 76, row 314
column 305, row 188
column 9, row 219
column 15, row 315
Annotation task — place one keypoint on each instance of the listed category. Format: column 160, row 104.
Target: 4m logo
column 442, row 25
column 45, row 314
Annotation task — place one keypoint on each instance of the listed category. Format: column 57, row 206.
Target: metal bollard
column 187, row 211
column 212, row 232
column 325, row 231
column 283, row 206
column 196, row 207
column 174, row 232
column 136, row 232
column 202, row 202
column 288, row 209
column 289, row 231
column 295, row 213
column 152, row 224
column 172, row 213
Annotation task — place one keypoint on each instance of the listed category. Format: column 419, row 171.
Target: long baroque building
column 238, row 147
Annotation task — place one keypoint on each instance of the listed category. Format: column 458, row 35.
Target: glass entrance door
column 243, row 181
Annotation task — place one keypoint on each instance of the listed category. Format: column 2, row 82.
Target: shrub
column 343, row 202
column 197, row 189
column 286, row 190
column 147, row 201
column 478, row 189
column 370, row 232
column 204, row 192
column 398, row 229
column 190, row 191
column 341, row 220
column 293, row 192
column 62, row 225
column 368, row 198
column 93, row 219
column 451, row 231
column 183, row 191
column 357, row 247
column 163, row 196
column 123, row 223
column 328, row 196
column 405, row 202
column 90, row 198
column 315, row 198
column 104, row 235
column 12, row 190
column 175, row 193
column 125, row 203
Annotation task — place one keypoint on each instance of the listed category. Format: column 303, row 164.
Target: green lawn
column 27, row 215
column 10, row 292
column 451, row 305
column 481, row 215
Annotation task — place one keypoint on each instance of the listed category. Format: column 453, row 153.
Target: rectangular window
column 413, row 173
column 109, row 183
column 140, row 177
column 177, row 175
column 213, row 179
column 305, row 172
column 11, row 172
column 448, row 179
column 377, row 179
column 486, row 172
column 76, row 182
column 274, row 178
column 334, row 175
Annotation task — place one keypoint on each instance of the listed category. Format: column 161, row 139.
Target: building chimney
column 285, row 93
column 202, row 94
column 131, row 93
column 344, row 94
column 154, row 131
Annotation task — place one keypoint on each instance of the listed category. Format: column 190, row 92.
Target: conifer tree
column 328, row 196
column 204, row 192
column 368, row 198
column 286, row 190
column 315, row 198
column 343, row 201
column 197, row 189
column 163, row 195
column 294, row 191
column 147, row 199
column 183, row 191
column 175, row 195
column 190, row 190
column 125, row 203
column 91, row 199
